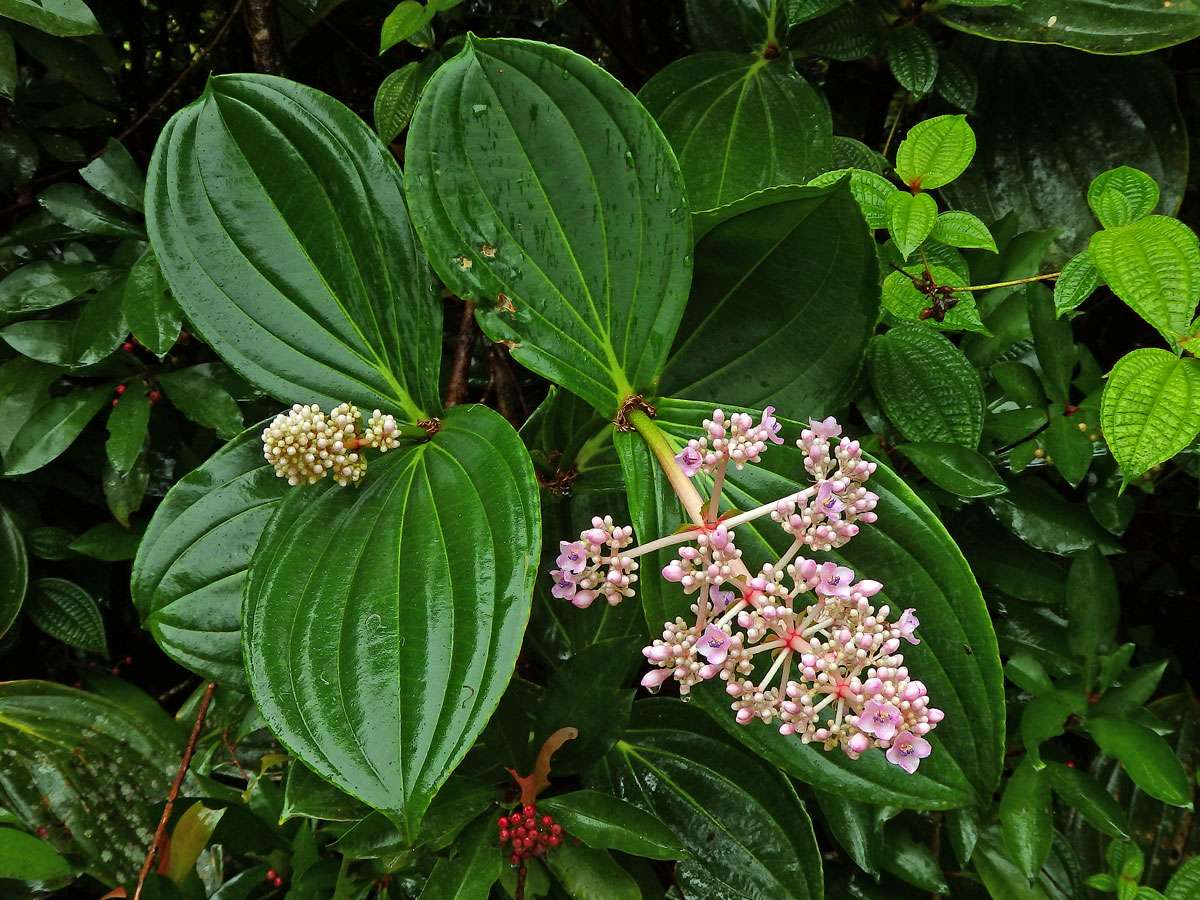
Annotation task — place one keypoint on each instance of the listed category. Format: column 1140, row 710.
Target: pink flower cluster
column 833, row 671
column 593, row 565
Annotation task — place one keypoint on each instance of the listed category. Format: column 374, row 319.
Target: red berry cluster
column 529, row 833
column 273, row 878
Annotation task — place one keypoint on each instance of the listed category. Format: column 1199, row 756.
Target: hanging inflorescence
column 833, row 671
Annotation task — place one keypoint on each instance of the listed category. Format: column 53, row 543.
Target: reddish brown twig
column 174, row 793
column 456, row 390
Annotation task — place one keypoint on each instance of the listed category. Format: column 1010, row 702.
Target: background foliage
column 768, row 223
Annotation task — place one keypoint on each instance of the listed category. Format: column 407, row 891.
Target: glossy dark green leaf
column 127, row 425
column 372, row 685
column 1095, row 804
column 90, row 773
column 202, row 399
column 53, row 428
column 124, row 493
column 605, row 822
column 1023, row 92
column 586, row 269
column 83, row 209
column 151, row 310
column 1045, row 717
column 848, row 32
column 955, row 469
column 788, row 264
column 100, row 327
column 909, row 551
column 926, row 386
column 1019, row 383
column 851, row 154
column 910, row 861
column 1098, row 26
column 1068, row 449
column 1093, row 605
column 856, row 826
column 1001, row 877
column 732, row 24
column 1038, row 515
column 46, row 340
column 589, row 874
column 67, row 612
column 281, row 225
column 1150, row 409
column 998, row 557
column 49, row 283
column 63, row 18
column 1052, row 342
column 670, row 765
column 739, row 123
column 308, row 794
column 190, row 569
column 8, row 65
column 14, row 570
column 24, row 388
column 1135, row 688
column 1148, row 759
column 472, row 873
column 957, row 82
column 396, row 99
column 115, row 175
column 913, row 59
column 935, row 152
column 1077, row 281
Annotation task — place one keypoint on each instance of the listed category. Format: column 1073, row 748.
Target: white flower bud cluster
column 304, row 444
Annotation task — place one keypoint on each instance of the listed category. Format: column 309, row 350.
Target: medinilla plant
column 369, row 580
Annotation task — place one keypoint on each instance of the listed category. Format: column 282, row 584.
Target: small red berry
column 42, row 832
column 525, row 854
column 521, row 831
column 154, row 395
column 504, row 834
column 502, row 821
column 278, row 882
column 555, row 840
column 184, row 336
column 116, row 400
column 127, row 347
column 529, row 810
column 514, row 859
column 547, row 820
column 1070, row 764
column 271, row 875
column 556, row 829
column 120, row 388
column 543, row 838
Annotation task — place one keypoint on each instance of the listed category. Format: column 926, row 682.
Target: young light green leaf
column 926, row 386
column 1121, row 196
column 955, row 469
column 53, row 428
column 68, row 613
column 127, row 424
column 906, row 302
column 605, row 822
column 910, row 218
column 1185, row 882
column 1148, row 759
column 961, row 229
column 403, row 22
column 1077, row 281
column 115, row 175
column 821, row 257
column 396, row 99
column 150, row 308
column 190, row 569
column 935, row 152
column 14, row 570
column 1153, row 265
column 424, row 677
column 739, row 123
column 1150, row 409
column 280, row 224
column 913, row 59
column 1095, row 804
column 869, row 189
column 589, row 282
column 202, row 399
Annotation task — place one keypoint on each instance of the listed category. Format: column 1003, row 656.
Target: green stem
column 412, row 432
column 1000, row 284
column 692, row 502
column 592, row 446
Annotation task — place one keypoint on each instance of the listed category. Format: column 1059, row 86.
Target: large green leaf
column 1038, row 162
column 1150, row 409
column 14, row 570
column 762, row 845
column 1098, row 26
column 86, row 770
column 740, row 123
column 280, row 223
column 191, row 565
column 794, row 268
column 53, row 428
column 546, row 193
column 381, row 624
column 1153, row 265
column 910, row 552
column 63, row 18
column 926, row 386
